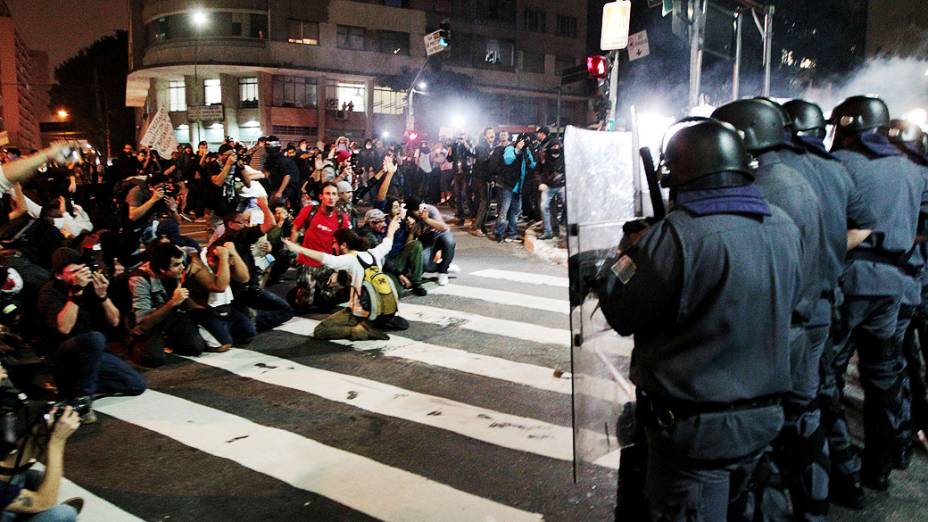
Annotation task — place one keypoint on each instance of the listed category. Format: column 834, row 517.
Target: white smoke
column 901, row 82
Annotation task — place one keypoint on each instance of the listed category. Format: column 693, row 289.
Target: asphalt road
column 462, row 417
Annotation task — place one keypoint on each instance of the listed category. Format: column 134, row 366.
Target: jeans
column 461, row 193
column 546, row 201
column 176, row 330
column 31, row 480
column 508, row 210
column 482, row 202
column 444, row 243
column 84, row 367
column 234, row 328
column 271, row 309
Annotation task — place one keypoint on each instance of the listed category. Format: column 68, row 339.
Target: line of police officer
column 778, row 260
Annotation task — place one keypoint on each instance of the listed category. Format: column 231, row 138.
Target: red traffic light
column 598, row 66
column 412, row 135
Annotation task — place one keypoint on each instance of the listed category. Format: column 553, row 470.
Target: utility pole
column 696, row 25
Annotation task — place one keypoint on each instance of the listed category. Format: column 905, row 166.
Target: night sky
column 63, row 27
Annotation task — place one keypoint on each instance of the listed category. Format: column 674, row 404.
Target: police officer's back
column 708, row 294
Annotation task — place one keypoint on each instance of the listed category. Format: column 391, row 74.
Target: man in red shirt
column 316, row 284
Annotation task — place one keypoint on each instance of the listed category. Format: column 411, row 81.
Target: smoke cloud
column 901, row 82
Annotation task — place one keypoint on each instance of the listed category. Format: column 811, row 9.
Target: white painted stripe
column 524, row 277
column 493, row 427
column 358, row 482
column 561, row 306
column 488, row 325
column 450, row 358
column 95, row 508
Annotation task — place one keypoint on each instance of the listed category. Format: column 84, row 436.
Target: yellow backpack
column 378, row 294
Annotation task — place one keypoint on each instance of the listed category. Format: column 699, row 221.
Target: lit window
column 346, row 96
column 388, row 101
column 212, row 92
column 300, row 32
column 248, row 92
column 182, row 133
column 177, row 95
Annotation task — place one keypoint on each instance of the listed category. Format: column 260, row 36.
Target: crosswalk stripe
column 357, row 482
column 483, row 324
column 523, row 277
column 489, row 426
column 95, row 508
column 531, row 375
column 561, row 306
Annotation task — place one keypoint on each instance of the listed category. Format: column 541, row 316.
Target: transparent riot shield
column 601, row 197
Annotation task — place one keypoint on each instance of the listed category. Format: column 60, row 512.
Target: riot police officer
column 874, row 282
column 910, row 140
column 847, row 223
column 802, row 451
column 708, row 294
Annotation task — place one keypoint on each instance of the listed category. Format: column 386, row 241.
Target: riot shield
column 601, row 197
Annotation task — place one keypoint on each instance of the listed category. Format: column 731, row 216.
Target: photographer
column 517, row 162
column 551, row 184
column 158, row 317
column 77, row 311
column 22, row 169
column 462, row 157
column 283, row 173
column 483, row 176
column 437, row 240
column 31, row 494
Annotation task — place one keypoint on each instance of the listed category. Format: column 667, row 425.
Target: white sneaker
column 210, row 341
column 442, row 279
column 453, row 268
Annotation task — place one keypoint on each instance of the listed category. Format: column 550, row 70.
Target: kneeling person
column 373, row 298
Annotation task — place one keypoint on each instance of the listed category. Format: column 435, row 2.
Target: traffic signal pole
column 613, row 90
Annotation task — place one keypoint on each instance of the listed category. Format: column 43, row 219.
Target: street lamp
column 62, row 114
column 423, row 86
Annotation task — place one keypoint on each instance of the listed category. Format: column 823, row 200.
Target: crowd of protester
column 99, row 279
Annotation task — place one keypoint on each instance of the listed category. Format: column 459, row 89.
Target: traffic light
column 598, row 66
column 412, row 135
column 444, row 33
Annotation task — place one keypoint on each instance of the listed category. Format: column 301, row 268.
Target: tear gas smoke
column 901, row 82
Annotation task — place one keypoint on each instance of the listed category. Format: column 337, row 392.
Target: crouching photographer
column 30, row 431
column 77, row 310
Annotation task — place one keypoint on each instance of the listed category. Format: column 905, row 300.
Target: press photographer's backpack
column 378, row 295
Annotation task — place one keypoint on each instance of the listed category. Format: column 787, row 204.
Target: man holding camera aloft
column 518, row 161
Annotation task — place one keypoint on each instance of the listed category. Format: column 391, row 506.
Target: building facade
column 325, row 68
column 23, row 87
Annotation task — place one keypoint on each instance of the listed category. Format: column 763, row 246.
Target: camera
column 80, row 405
column 90, row 260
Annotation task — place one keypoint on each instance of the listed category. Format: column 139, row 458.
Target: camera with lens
column 80, row 405
column 90, row 259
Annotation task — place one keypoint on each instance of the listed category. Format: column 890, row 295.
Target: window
column 533, row 62
column 215, row 135
column 212, row 92
column 499, row 52
column 567, row 26
column 339, row 95
column 389, row 42
column 300, row 32
column 249, row 132
column 182, row 133
column 222, row 24
column 534, row 21
column 177, row 95
column 294, row 91
column 388, row 101
column 500, row 12
column 351, row 38
column 248, row 92
column 524, row 111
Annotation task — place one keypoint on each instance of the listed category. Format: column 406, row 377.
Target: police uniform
column 843, row 210
column 801, row 451
column 874, row 282
column 708, row 294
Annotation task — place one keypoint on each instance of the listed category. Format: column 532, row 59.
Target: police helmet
column 706, row 150
column 904, row 131
column 761, row 122
column 807, row 117
column 860, row 114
